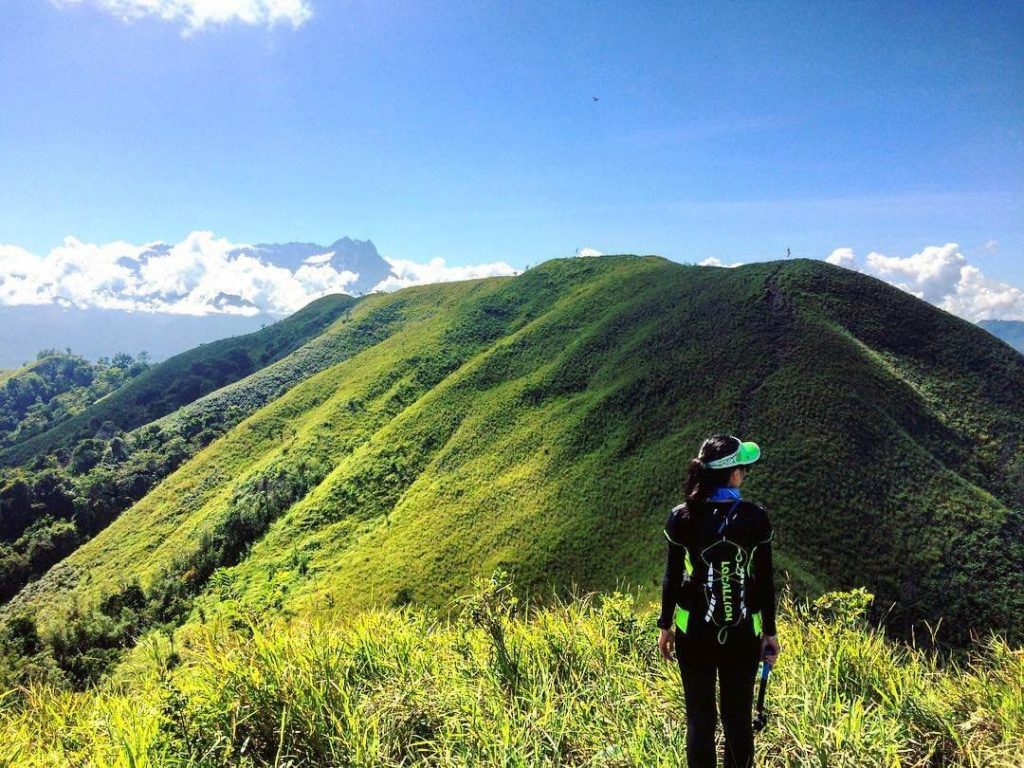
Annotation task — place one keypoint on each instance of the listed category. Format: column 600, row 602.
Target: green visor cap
column 748, row 453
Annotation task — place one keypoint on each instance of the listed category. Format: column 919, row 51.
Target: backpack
column 723, row 571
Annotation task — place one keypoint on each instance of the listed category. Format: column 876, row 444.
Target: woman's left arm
column 764, row 576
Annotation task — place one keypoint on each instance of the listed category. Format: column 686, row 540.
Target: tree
column 87, row 454
column 15, row 509
column 50, row 493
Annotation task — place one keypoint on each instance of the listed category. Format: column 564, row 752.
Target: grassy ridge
column 505, row 682
column 186, row 377
column 311, row 427
column 49, row 506
column 542, row 423
column 566, row 451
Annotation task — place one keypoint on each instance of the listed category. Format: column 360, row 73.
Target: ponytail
column 701, row 481
column 696, row 491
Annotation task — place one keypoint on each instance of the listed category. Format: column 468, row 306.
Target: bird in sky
column 595, row 98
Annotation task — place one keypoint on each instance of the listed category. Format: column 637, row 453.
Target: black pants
column 735, row 662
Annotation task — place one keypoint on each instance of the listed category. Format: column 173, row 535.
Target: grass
column 541, row 423
column 502, row 680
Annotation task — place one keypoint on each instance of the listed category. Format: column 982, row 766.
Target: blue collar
column 725, row 493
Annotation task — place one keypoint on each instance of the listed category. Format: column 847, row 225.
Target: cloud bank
column 197, row 14
column 942, row 276
column 201, row 275
column 714, row 261
column 406, row 273
column 842, row 257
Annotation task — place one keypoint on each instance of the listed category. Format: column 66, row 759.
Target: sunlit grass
column 575, row 681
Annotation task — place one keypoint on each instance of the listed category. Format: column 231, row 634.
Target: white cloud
column 200, row 275
column 715, row 262
column 588, row 252
column 72, row 273
column 320, row 258
column 197, row 14
column 323, row 279
column 406, row 273
column 981, row 298
column 942, row 276
column 842, row 257
column 933, row 273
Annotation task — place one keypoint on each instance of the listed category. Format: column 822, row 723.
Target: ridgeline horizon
column 401, row 444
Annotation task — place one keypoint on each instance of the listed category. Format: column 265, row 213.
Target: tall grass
column 577, row 681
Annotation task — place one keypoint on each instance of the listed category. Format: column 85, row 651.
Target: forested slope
column 184, row 378
column 55, row 387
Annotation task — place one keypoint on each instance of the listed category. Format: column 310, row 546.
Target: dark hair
column 702, row 481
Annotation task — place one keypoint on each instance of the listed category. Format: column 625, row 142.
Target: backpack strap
column 727, row 518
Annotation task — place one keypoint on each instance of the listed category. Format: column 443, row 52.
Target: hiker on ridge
column 718, row 599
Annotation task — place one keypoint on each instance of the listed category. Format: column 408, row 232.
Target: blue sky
column 470, row 132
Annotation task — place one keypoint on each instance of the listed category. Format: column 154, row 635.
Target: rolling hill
column 543, row 423
column 80, row 458
column 185, row 378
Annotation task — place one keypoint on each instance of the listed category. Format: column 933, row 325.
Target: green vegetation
column 185, row 378
column 542, row 422
column 37, row 525
column 266, row 572
column 51, row 504
column 504, row 680
column 57, row 386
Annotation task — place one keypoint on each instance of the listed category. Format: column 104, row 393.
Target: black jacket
column 748, row 528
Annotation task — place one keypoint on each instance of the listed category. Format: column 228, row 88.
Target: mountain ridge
column 133, row 405
column 541, row 421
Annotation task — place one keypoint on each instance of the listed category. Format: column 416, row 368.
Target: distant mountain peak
column 1010, row 331
column 343, row 255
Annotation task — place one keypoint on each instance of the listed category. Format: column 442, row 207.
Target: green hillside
column 184, row 378
column 543, row 423
column 95, row 465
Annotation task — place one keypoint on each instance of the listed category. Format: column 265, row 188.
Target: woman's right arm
column 674, row 563
column 671, row 581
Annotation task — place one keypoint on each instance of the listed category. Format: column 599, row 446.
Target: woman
column 718, row 599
